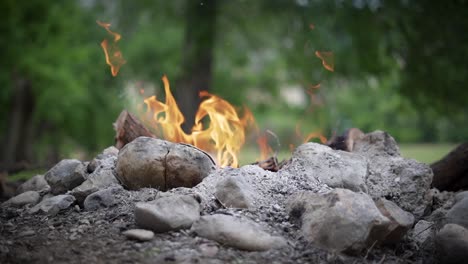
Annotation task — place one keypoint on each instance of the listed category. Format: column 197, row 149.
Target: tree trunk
column 451, row 172
column 197, row 58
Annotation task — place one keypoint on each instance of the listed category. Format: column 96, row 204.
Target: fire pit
column 368, row 204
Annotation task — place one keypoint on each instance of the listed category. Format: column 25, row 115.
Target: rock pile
column 345, row 203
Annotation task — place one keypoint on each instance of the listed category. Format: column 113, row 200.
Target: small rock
column 458, row 214
column 168, row 213
column 377, row 143
column 208, row 250
column 236, row 232
column 156, row 163
column 341, row 220
column 36, row 183
column 27, row 233
column 139, row 234
column 339, row 169
column 101, row 199
column 401, row 221
column 28, row 197
column 234, row 191
column 452, row 244
column 53, row 205
column 66, row 175
column 423, row 232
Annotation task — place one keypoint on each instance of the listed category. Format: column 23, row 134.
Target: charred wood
column 451, row 172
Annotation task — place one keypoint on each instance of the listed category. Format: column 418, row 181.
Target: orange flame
column 224, row 135
column 314, row 135
column 113, row 55
column 327, row 59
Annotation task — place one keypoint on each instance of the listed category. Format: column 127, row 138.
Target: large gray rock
column 101, row 177
column 156, row 163
column 53, row 205
column 341, row 220
column 66, row 175
column 235, row 191
column 36, row 183
column 236, row 232
column 458, row 214
column 452, row 244
column 173, row 212
column 28, row 197
column 338, row 169
column 101, row 199
column 403, row 181
column 401, row 221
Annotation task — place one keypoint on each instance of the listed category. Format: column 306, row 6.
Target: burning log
column 128, row 128
column 346, row 141
column 451, row 172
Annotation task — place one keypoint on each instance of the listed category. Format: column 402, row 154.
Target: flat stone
column 340, row 220
column 236, row 232
column 458, row 214
column 173, row 212
column 139, row 234
column 66, row 175
column 401, row 221
column 28, row 197
column 234, row 191
column 36, row 183
column 452, row 244
column 336, row 168
column 101, row 199
column 423, row 232
column 53, row 205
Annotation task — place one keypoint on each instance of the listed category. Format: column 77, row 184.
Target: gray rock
column 101, row 199
column 405, row 182
column 423, row 232
column 139, row 234
column 28, row 197
column 36, row 183
column 341, row 220
column 66, row 175
column 101, row 177
column 401, row 221
column 338, row 169
column 173, row 212
column 234, row 191
column 452, row 244
column 156, row 163
column 236, row 232
column 458, row 214
column 53, row 205
column 461, row 196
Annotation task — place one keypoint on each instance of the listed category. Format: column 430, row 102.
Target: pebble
column 139, row 234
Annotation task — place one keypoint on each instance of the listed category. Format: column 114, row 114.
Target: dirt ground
column 76, row 236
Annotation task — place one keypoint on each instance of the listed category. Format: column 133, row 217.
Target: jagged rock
column 139, row 234
column 101, row 199
column 235, row 191
column 156, row 163
column 423, row 232
column 53, row 205
column 403, row 181
column 36, row 183
column 101, row 177
column 338, row 169
column 236, row 232
column 452, row 244
column 340, row 220
column 28, row 197
column 401, row 221
column 168, row 213
column 458, row 214
column 66, row 175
